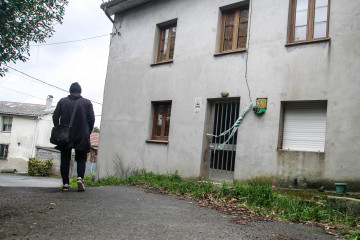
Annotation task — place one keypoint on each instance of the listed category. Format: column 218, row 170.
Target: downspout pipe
column 106, row 13
column 33, row 152
column 113, row 22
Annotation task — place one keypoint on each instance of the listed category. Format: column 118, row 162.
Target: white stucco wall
column 43, row 131
column 26, row 133
column 319, row 71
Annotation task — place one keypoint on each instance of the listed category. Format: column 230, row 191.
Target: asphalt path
column 18, row 180
column 125, row 213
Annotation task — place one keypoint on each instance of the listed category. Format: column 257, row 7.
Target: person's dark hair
column 75, row 88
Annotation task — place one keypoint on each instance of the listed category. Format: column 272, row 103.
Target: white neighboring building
column 25, row 128
column 172, row 59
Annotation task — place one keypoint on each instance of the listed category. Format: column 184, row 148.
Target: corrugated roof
column 23, row 109
column 115, row 6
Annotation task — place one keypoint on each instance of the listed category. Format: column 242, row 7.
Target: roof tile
column 23, row 109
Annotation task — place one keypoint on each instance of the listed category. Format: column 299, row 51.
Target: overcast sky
column 62, row 64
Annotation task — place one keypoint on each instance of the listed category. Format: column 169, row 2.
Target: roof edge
column 115, row 6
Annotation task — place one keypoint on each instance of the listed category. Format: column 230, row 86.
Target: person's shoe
column 80, row 184
column 65, row 187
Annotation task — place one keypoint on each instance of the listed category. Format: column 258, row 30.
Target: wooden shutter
column 305, row 126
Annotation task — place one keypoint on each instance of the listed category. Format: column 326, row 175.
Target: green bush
column 39, row 168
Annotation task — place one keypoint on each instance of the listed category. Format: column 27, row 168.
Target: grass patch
column 262, row 198
column 354, row 236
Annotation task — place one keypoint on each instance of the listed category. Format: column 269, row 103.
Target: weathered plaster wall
column 26, row 133
column 318, row 71
column 20, row 140
column 43, row 131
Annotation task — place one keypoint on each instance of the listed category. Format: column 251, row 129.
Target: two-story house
column 180, row 72
column 25, row 133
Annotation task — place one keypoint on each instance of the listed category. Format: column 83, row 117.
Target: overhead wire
column 22, row 93
column 71, row 41
column 51, row 85
column 38, row 79
column 97, row 115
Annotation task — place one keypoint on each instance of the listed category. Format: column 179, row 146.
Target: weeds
column 354, row 236
column 259, row 197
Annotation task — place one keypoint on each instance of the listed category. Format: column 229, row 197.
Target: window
column 234, row 29
column 166, row 43
column 3, row 151
column 303, row 126
column 6, row 124
column 161, row 121
column 309, row 20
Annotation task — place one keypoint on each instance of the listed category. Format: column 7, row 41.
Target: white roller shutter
column 304, row 126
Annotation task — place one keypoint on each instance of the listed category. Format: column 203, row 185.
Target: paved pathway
column 17, row 180
column 122, row 213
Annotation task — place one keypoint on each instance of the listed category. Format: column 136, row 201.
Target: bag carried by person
column 60, row 135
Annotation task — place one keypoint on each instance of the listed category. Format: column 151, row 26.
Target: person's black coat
column 83, row 122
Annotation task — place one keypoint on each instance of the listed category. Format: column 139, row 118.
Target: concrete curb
column 352, row 205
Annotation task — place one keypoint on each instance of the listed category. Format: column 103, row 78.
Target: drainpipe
column 112, row 21
column 34, row 138
column 106, row 13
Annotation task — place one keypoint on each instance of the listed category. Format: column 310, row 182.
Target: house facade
column 180, row 73
column 25, row 133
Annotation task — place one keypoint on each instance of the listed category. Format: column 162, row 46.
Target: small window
column 4, row 151
column 161, row 121
column 309, row 20
column 166, row 43
column 6, row 124
column 303, row 126
column 234, row 29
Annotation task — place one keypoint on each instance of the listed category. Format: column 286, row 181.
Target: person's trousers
column 80, row 158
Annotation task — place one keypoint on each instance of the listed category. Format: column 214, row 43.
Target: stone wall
column 49, row 153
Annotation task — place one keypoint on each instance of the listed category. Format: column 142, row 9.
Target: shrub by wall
column 39, row 168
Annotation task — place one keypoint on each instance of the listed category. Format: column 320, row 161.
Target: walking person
column 81, row 128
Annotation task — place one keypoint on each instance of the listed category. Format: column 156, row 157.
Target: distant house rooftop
column 23, row 109
column 94, row 139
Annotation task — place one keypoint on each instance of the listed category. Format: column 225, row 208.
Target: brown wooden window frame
column 162, row 35
column 235, row 37
column 164, row 132
column 310, row 22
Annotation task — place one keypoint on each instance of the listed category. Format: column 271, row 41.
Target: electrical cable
column 48, row 83
column 79, row 40
column 247, row 53
column 38, row 79
column 22, row 93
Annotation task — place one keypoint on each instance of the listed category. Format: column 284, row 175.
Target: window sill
column 307, row 42
column 157, row 141
column 230, row 52
column 5, row 131
column 161, row 63
column 289, row 150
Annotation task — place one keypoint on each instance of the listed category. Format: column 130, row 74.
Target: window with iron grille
column 234, row 29
column 166, row 43
column 161, row 121
column 309, row 20
column 6, row 124
column 4, row 151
